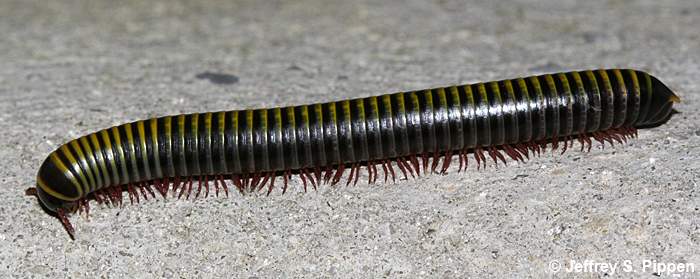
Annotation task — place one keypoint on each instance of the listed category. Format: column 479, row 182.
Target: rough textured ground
column 70, row 68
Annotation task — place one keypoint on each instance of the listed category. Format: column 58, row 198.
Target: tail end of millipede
column 660, row 105
column 674, row 98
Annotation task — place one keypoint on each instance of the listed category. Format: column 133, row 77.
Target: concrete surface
column 71, row 67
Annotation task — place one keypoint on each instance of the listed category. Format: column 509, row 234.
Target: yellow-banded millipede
column 318, row 142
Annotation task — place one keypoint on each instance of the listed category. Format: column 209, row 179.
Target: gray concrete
column 70, row 68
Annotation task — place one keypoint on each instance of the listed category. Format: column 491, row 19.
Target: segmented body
column 512, row 116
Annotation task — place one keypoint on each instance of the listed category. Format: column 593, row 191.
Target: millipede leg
column 206, row 186
column 566, row 145
column 66, row 223
column 523, row 150
column 176, row 184
column 149, row 189
column 350, row 176
column 391, row 170
column 117, row 195
column 386, row 175
column 254, row 182
column 143, row 191
column 369, row 172
column 285, row 177
column 86, row 203
column 317, row 174
column 199, row 187
column 130, row 189
column 246, row 181
column 186, row 188
column 446, row 162
column 555, row 141
column 425, row 163
column 272, row 185
column 375, row 171
column 338, row 174
column 223, row 184
column 328, row 175
column 399, row 163
column 311, row 178
column 416, row 165
column 466, row 160
column 408, row 166
column 478, row 154
column 97, row 196
column 265, row 180
column 303, row 180
column 513, row 153
column 436, row 159
column 216, row 187
column 237, row 182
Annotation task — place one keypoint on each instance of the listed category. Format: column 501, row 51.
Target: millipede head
column 55, row 188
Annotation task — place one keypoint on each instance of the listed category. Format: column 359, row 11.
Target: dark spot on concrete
column 294, row 67
column 218, row 78
column 520, row 176
column 592, row 37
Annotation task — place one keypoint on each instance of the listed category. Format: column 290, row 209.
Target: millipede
column 399, row 135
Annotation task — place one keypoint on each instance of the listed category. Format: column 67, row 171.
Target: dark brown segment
column 483, row 115
column 388, row 141
column 272, row 132
column 330, row 124
column 303, row 132
column 345, row 132
column 620, row 92
column 454, row 112
column 607, row 98
column 580, row 102
column 523, row 105
column 442, row 120
column 566, row 106
column 551, row 96
column 645, row 98
column 469, row 116
column 413, row 121
column 318, row 139
column 632, row 83
column 495, row 102
column 510, row 112
column 595, row 109
column 398, row 103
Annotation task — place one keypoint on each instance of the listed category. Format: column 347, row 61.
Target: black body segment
column 373, row 129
